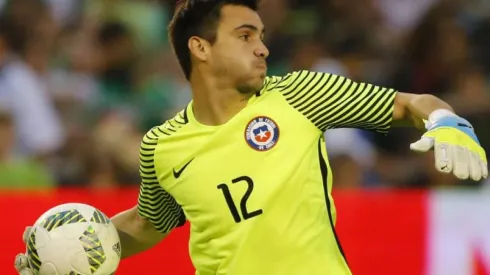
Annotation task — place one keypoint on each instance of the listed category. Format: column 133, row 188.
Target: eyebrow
column 250, row 27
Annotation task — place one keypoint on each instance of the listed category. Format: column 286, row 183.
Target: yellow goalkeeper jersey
column 256, row 190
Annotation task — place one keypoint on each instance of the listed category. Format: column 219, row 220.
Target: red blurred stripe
column 383, row 232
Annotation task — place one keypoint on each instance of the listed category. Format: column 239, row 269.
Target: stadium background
column 82, row 80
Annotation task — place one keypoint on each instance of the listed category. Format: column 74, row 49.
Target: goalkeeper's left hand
column 455, row 145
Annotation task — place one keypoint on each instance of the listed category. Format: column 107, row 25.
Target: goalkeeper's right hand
column 22, row 265
column 21, row 261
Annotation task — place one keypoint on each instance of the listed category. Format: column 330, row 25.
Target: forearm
column 421, row 106
column 411, row 109
column 136, row 234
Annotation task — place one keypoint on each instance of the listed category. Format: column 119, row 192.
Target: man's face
column 239, row 52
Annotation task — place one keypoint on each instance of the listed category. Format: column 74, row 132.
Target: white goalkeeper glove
column 22, row 260
column 456, row 147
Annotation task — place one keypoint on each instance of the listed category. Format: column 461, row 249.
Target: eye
column 245, row 37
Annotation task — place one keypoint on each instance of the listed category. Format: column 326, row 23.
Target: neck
column 215, row 101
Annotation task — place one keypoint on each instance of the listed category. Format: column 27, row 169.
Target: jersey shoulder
column 167, row 129
column 332, row 101
column 162, row 146
column 284, row 82
column 151, row 143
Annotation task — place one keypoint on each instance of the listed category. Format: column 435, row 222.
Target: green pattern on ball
column 99, row 217
column 33, row 257
column 62, row 218
column 93, row 248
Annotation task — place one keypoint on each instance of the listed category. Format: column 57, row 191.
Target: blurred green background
column 81, row 81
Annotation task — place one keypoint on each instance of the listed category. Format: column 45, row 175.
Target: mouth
column 261, row 66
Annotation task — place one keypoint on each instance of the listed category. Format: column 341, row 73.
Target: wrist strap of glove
column 436, row 116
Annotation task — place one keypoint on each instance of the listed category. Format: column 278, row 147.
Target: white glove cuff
column 440, row 113
column 437, row 115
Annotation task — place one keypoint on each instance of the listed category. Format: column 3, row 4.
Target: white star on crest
column 262, row 134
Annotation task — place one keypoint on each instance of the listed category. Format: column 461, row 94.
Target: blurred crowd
column 82, row 80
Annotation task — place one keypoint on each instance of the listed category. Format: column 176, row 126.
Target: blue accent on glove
column 456, row 122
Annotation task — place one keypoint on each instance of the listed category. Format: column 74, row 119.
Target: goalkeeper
column 245, row 162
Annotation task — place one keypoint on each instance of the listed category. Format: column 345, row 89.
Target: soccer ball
column 75, row 239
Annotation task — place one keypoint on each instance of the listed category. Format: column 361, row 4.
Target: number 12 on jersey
column 243, row 203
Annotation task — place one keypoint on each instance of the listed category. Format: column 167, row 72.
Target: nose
column 262, row 51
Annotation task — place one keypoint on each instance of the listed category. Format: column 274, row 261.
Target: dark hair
column 198, row 18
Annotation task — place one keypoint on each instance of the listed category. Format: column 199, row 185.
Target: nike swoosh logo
column 178, row 173
column 464, row 125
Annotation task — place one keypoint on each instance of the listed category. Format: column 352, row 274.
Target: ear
column 199, row 48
